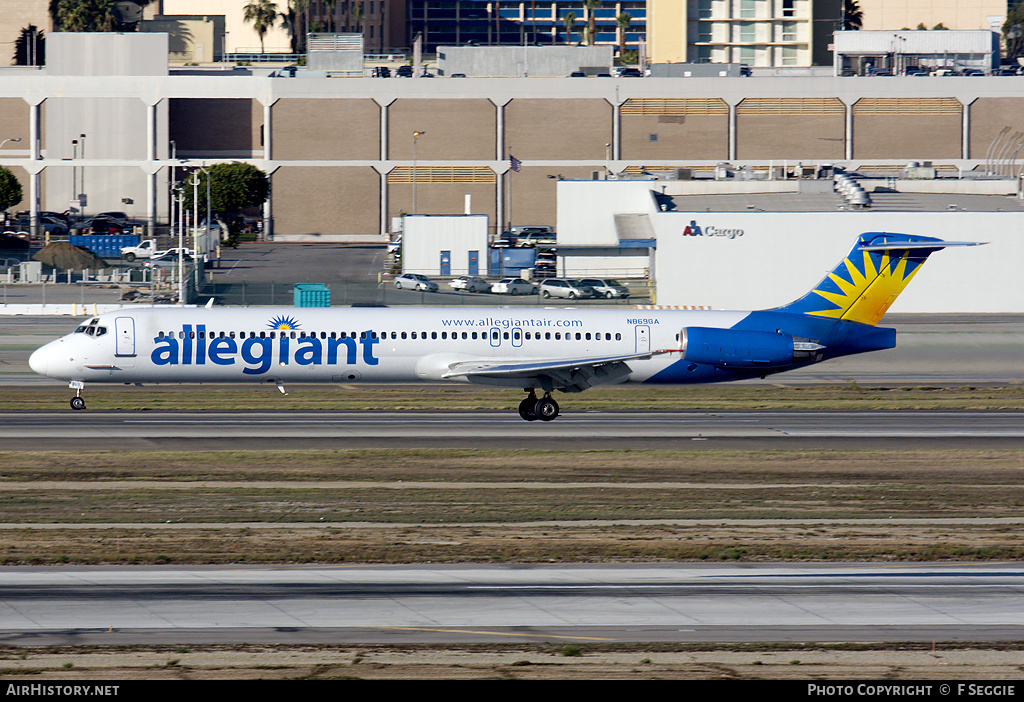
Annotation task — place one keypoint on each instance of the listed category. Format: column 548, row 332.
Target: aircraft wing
column 568, row 374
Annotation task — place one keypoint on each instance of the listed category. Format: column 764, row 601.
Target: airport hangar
column 107, row 117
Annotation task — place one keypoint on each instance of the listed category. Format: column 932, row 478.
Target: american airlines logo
column 693, row 229
column 194, row 346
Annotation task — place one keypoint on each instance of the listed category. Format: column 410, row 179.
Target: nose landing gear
column 532, row 408
column 77, row 402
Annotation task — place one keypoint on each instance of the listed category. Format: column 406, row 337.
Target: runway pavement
column 407, row 604
column 294, row 430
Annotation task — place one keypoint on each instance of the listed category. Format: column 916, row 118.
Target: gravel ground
column 526, row 663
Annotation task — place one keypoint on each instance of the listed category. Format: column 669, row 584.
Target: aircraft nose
column 39, row 360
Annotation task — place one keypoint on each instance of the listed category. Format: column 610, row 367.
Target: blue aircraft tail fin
column 866, row 283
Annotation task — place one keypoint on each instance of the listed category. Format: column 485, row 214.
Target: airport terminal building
column 108, row 119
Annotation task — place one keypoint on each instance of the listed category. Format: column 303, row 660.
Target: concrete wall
column 106, row 54
column 198, row 39
column 954, row 14
column 321, row 203
column 696, row 128
column 452, row 129
column 553, row 128
column 335, row 129
column 989, row 116
column 216, row 127
column 790, row 128
column 901, row 127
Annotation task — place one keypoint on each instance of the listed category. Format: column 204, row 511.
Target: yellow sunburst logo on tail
column 867, row 291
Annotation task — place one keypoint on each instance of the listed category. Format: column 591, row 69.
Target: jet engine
column 739, row 348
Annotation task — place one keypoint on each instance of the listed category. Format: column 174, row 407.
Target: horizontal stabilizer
column 903, row 244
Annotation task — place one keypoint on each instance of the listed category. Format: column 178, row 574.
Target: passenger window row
column 444, row 336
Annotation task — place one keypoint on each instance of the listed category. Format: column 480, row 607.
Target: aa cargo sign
column 693, row 229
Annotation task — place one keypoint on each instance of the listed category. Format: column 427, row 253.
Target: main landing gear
column 532, row 408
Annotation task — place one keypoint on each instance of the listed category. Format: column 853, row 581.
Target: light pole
column 81, row 139
column 179, row 200
column 195, row 217
column 14, row 139
column 174, row 155
column 415, row 138
column 74, row 173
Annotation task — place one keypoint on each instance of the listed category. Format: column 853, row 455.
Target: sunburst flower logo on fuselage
column 283, row 323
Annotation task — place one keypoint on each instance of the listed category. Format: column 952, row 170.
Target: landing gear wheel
column 546, row 408
column 527, row 408
column 77, row 403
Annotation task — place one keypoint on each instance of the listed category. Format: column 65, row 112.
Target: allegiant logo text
column 192, row 347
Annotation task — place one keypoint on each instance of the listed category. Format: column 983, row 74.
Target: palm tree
column 622, row 22
column 263, row 15
column 853, row 18
column 591, row 5
column 1013, row 31
column 288, row 23
column 569, row 20
column 30, row 47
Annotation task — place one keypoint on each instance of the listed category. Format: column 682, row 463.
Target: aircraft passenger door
column 495, row 337
column 474, row 263
column 643, row 338
column 446, row 263
column 124, row 342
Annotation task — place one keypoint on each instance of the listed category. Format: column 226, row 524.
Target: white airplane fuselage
column 374, row 345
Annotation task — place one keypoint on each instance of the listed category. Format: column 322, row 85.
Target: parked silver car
column 415, row 281
column 559, row 287
column 606, row 287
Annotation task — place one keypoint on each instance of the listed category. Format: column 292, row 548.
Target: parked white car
column 513, row 286
column 470, row 283
column 415, row 281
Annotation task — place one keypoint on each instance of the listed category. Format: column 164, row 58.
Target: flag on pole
column 514, row 163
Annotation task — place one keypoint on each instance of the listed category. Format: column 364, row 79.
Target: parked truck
column 146, row 249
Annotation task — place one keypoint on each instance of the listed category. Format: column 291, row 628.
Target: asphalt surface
column 445, row 604
column 409, row 429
